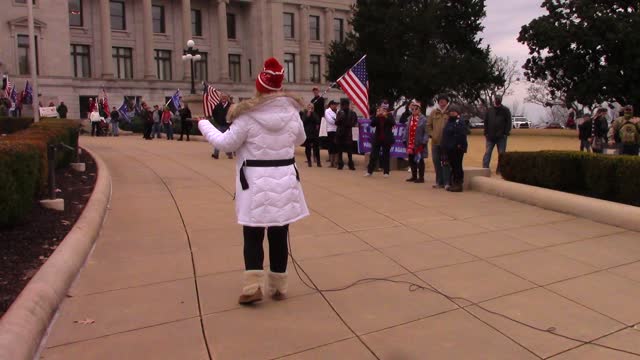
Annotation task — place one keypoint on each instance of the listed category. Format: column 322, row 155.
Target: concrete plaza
column 163, row 280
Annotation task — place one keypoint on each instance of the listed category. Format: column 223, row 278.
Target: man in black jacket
column 219, row 115
column 497, row 127
column 147, row 120
column 346, row 120
column 115, row 121
column 318, row 103
column 185, row 121
column 62, row 110
column 383, row 138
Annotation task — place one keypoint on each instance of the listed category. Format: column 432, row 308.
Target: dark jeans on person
column 95, row 128
column 442, row 172
column 456, row 157
column 168, row 129
column 147, row 130
column 278, row 248
column 630, row 149
column 344, row 148
column 491, row 143
column 585, row 145
column 156, row 130
column 312, row 144
column 331, row 142
column 185, row 129
column 417, row 167
column 375, row 155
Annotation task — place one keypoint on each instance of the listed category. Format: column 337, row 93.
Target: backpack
column 629, row 133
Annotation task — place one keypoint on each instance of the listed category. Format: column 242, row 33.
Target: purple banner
column 398, row 150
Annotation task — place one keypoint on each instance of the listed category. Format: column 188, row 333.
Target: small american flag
column 211, row 98
column 355, row 83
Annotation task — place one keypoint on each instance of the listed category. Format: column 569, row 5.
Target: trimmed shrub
column 613, row 178
column 24, row 166
column 9, row 125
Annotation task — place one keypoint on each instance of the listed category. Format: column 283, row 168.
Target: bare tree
column 506, row 69
column 517, row 108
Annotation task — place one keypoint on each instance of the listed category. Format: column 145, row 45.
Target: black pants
column 375, row 155
column 455, row 161
column 417, row 167
column 278, row 249
column 630, row 149
column 95, row 128
column 344, row 148
column 312, row 144
column 148, row 127
column 331, row 142
column 185, row 129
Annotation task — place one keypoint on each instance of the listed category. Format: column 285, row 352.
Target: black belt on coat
column 264, row 164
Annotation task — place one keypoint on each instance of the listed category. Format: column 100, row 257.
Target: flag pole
column 32, row 63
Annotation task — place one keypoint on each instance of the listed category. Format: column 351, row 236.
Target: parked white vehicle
column 521, row 122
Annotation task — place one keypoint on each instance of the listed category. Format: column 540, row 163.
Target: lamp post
column 191, row 54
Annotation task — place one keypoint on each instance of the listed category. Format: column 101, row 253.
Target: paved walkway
column 164, row 278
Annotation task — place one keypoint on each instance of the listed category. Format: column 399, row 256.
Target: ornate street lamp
column 191, row 54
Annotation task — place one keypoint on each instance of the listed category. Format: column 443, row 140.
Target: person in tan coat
column 435, row 124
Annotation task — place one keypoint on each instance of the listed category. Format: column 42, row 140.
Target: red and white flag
column 105, row 102
column 211, row 98
column 355, row 83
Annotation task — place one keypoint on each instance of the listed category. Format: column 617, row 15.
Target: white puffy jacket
column 264, row 128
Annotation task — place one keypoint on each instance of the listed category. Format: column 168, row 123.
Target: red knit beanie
column 271, row 77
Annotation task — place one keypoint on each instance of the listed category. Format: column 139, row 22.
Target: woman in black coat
column 383, row 138
column 311, row 123
column 346, row 120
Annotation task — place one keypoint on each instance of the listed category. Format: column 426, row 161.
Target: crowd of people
column 622, row 134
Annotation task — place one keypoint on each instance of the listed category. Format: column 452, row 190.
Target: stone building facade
column 135, row 47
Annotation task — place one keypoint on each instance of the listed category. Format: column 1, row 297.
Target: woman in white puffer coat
column 264, row 133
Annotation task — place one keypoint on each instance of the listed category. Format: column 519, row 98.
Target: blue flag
column 28, row 94
column 138, row 107
column 124, row 111
column 174, row 102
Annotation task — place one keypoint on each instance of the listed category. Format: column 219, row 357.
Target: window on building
column 289, row 29
column 118, row 16
column 157, row 13
column 200, row 68
column 290, row 68
column 23, row 54
column 196, row 22
column 231, row 26
column 314, row 27
column 123, row 62
column 24, row 2
column 163, row 64
column 338, row 29
column 81, row 61
column 75, row 12
column 315, row 68
column 235, row 72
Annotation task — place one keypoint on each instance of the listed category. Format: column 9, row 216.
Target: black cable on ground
column 415, row 287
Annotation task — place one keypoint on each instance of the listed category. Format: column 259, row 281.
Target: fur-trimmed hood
column 256, row 102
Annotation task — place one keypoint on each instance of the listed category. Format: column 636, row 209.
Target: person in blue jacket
column 454, row 143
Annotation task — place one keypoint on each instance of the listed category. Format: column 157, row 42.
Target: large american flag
column 355, row 83
column 210, row 99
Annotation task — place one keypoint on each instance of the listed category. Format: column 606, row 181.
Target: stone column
column 105, row 39
column 148, row 55
column 304, row 44
column 223, row 40
column 277, row 30
column 186, row 34
column 328, row 29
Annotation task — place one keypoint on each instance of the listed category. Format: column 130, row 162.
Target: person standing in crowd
column 115, row 122
column 571, row 120
column 147, row 119
column 220, row 112
column 330, row 115
column 185, row 121
column 417, row 138
column 157, row 115
column 383, row 139
column 406, row 114
column 94, row 117
column 435, row 123
column 585, row 130
column 626, row 131
column 497, row 128
column 268, row 195
column 93, row 107
column 454, row 143
column 599, row 130
column 167, row 122
column 346, row 120
column 318, row 103
column 311, row 123
column 62, row 110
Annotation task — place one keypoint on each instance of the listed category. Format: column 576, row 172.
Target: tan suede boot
column 277, row 285
column 252, row 288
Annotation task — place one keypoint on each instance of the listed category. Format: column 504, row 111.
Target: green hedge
column 9, row 125
column 607, row 177
column 24, row 166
